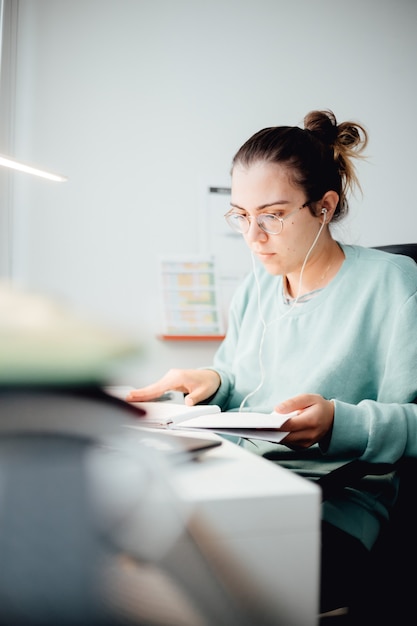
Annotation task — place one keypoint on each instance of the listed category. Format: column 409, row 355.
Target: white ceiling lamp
column 7, row 161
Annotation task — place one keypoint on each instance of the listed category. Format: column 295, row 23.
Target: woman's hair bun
column 345, row 141
column 323, row 125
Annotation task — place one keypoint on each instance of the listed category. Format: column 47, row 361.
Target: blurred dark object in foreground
column 92, row 531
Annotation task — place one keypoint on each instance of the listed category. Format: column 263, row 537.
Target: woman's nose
column 255, row 232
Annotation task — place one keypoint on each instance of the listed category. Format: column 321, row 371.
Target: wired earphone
column 290, row 308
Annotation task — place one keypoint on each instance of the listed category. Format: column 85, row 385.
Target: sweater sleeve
column 384, row 429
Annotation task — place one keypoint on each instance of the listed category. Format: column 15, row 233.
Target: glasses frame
column 249, row 218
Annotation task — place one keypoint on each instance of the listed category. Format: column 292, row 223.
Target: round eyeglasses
column 268, row 222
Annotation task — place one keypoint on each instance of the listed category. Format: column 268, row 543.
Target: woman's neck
column 317, row 273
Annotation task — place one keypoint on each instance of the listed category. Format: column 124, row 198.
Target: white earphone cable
column 261, row 317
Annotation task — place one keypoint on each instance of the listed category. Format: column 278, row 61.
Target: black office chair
column 390, row 596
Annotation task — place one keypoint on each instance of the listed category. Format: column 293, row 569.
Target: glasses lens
column 237, row 222
column 270, row 223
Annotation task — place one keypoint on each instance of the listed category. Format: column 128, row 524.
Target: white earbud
column 324, row 210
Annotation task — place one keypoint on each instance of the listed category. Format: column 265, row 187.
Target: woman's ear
column 328, row 205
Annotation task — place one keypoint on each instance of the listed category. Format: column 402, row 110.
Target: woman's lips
column 264, row 255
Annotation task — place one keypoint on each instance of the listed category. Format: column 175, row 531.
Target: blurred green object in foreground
column 43, row 342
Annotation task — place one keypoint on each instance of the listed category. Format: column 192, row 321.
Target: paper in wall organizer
column 189, row 295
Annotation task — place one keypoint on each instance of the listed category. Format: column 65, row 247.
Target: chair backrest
column 393, row 581
column 406, row 249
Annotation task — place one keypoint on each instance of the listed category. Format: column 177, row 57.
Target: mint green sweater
column 355, row 342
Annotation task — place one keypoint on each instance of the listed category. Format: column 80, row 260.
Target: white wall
column 143, row 102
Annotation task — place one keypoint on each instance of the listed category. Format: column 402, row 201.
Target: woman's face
column 266, row 188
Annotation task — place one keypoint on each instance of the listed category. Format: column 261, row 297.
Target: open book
column 241, row 424
column 208, row 417
column 160, row 413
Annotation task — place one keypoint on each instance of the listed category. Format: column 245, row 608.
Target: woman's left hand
column 312, row 424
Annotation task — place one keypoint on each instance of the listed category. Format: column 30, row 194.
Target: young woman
column 319, row 327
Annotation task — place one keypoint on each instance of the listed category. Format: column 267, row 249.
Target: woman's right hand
column 198, row 385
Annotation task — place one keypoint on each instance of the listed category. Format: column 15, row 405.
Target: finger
column 288, row 425
column 195, row 396
column 291, row 425
column 297, row 403
column 146, row 393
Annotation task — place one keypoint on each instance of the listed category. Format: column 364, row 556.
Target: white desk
column 267, row 519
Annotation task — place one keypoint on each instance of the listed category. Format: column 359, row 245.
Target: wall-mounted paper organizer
column 190, row 300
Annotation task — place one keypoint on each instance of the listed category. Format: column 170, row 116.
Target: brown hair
column 318, row 157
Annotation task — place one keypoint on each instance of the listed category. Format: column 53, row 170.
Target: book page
column 160, row 413
column 243, row 424
column 241, row 419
